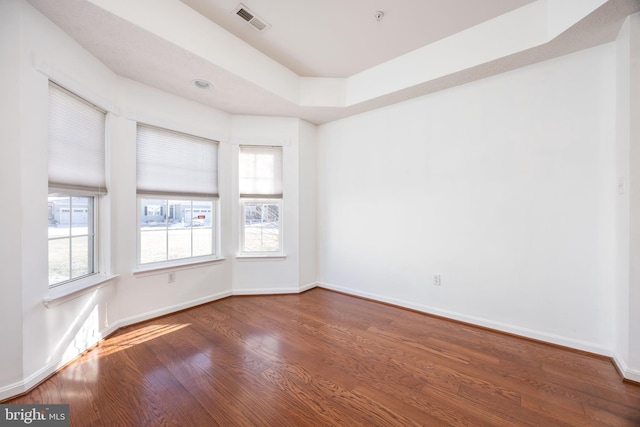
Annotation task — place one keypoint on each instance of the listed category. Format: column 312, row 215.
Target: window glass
column 71, row 238
column 261, row 226
column 172, row 229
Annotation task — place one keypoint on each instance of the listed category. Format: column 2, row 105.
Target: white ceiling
column 165, row 44
column 338, row 38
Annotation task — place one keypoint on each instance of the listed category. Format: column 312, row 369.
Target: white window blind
column 176, row 164
column 260, row 172
column 76, row 142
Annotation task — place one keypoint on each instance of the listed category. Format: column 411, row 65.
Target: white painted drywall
column 307, row 204
column 496, row 186
column 628, row 199
column 10, row 199
column 206, row 39
column 634, row 197
column 622, row 197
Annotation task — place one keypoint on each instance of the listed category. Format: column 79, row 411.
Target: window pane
column 153, row 246
column 179, row 243
column 202, row 241
column 80, row 251
column 58, row 261
column 261, row 227
column 153, row 213
column 59, row 216
column 178, row 213
column 80, row 212
column 200, row 213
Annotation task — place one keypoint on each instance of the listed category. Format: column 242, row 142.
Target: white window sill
column 261, row 257
column 160, row 268
column 75, row 289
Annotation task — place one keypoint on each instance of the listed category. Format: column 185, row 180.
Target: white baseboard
column 266, row 291
column 171, row 309
column 627, row 373
column 304, row 288
column 486, row 323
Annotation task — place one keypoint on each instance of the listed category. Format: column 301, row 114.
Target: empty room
column 308, row 213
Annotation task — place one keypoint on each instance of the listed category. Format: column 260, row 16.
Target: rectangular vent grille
column 254, row 21
column 244, row 14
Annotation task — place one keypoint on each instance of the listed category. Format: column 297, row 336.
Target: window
column 261, row 200
column 76, row 169
column 177, row 180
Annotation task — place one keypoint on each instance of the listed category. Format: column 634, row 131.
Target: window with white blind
column 177, row 185
column 76, row 173
column 261, row 200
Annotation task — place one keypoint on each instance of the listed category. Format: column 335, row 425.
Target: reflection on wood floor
column 322, row 358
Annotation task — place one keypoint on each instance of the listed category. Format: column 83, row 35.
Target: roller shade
column 260, row 172
column 175, row 164
column 76, row 158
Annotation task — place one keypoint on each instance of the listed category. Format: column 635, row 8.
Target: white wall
column 10, row 218
column 498, row 186
column 627, row 250
column 307, row 205
column 634, row 197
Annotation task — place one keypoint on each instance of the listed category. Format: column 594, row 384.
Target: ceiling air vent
column 257, row 23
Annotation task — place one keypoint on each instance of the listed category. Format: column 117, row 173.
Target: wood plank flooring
column 326, row 359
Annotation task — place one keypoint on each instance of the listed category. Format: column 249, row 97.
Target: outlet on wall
column 436, row 280
column 172, row 277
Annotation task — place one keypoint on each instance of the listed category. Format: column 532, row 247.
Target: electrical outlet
column 436, row 280
column 172, row 277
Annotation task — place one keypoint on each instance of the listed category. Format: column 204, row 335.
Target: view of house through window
column 71, row 238
column 175, row 229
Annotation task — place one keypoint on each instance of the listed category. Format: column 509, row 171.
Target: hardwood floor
column 326, row 359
